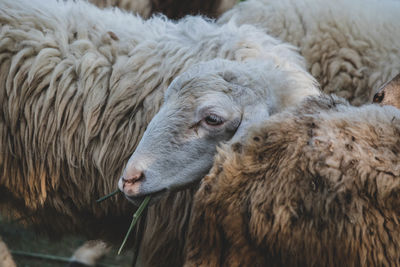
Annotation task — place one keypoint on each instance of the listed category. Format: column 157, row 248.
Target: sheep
column 6, row 259
column 350, row 50
column 173, row 9
column 389, row 94
column 316, row 185
column 78, row 86
column 210, row 103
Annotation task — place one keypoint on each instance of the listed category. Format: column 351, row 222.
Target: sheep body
column 78, row 86
column 350, row 50
column 314, row 186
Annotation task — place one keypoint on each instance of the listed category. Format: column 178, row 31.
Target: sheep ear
column 252, row 115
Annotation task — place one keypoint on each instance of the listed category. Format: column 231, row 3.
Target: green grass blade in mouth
column 135, row 218
column 108, row 196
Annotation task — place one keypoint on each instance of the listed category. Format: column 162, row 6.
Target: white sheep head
column 210, row 103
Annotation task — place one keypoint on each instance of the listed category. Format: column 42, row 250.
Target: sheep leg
column 6, row 259
column 89, row 253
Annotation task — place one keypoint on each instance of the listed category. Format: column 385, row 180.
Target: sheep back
column 348, row 49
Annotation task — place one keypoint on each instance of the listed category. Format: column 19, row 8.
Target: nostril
column 141, row 176
column 132, row 175
column 378, row 97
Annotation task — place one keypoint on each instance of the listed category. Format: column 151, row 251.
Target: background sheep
column 6, row 259
column 78, row 86
column 174, row 9
column 315, row 186
column 350, row 50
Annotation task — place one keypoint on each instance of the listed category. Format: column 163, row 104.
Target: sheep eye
column 213, row 120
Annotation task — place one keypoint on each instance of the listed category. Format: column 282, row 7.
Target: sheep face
column 210, row 103
column 180, row 142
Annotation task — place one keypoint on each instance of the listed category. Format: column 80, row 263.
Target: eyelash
column 213, row 120
column 219, row 122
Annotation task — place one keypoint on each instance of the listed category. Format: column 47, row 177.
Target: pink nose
column 132, row 175
column 131, row 180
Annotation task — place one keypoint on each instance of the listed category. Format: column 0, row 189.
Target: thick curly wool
column 78, row 86
column 351, row 51
column 173, row 9
column 314, row 186
column 6, row 259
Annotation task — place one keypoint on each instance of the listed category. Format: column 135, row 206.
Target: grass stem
column 108, row 196
column 135, row 218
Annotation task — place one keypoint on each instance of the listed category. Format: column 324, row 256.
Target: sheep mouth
column 155, row 196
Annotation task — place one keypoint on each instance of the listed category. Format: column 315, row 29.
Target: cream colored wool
column 351, row 47
column 78, row 86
